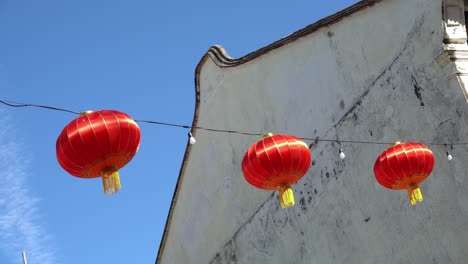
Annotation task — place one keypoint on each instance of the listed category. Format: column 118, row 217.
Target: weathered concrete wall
column 371, row 76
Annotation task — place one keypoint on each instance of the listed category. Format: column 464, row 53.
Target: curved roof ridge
column 222, row 58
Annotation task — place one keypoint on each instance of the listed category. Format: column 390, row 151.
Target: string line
column 16, row 105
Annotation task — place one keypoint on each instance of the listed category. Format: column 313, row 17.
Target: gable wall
column 371, row 76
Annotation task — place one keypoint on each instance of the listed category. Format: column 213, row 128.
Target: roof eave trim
column 222, row 58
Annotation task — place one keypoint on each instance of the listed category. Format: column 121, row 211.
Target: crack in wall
column 251, row 218
column 417, row 89
column 258, row 249
column 412, row 32
column 366, row 92
column 229, row 255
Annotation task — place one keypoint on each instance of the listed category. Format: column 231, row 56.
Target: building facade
column 388, row 70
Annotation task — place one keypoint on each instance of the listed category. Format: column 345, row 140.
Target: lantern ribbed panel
column 404, row 165
column 275, row 160
column 96, row 141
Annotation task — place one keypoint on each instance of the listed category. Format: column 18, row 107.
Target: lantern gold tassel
column 414, row 194
column 286, row 195
column 111, row 182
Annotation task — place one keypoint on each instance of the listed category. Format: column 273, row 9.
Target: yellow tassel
column 415, row 195
column 286, row 195
column 111, row 182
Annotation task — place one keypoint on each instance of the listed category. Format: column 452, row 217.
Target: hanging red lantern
column 98, row 144
column 277, row 162
column 404, row 166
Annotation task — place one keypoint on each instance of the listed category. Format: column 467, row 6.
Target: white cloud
column 20, row 223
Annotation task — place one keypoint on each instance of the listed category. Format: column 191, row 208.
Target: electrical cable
column 16, row 104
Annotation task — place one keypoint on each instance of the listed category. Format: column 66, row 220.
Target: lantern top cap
column 86, row 112
column 267, row 135
column 396, row 143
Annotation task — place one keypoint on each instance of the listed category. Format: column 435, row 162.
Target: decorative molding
column 460, row 56
column 454, row 21
column 454, row 58
column 455, row 64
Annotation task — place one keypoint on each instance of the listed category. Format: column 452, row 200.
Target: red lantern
column 404, row 166
column 98, row 144
column 276, row 162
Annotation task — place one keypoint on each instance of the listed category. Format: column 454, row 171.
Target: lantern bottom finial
column 414, row 194
column 111, row 182
column 286, row 195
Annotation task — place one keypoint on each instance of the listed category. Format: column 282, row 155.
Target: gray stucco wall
column 371, row 76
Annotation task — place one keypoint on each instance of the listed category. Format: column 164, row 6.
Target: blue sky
column 134, row 56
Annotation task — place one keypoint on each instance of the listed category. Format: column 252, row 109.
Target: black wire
column 15, row 104
column 162, row 123
column 229, row 131
column 348, row 141
column 303, row 138
column 198, row 127
column 448, row 144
